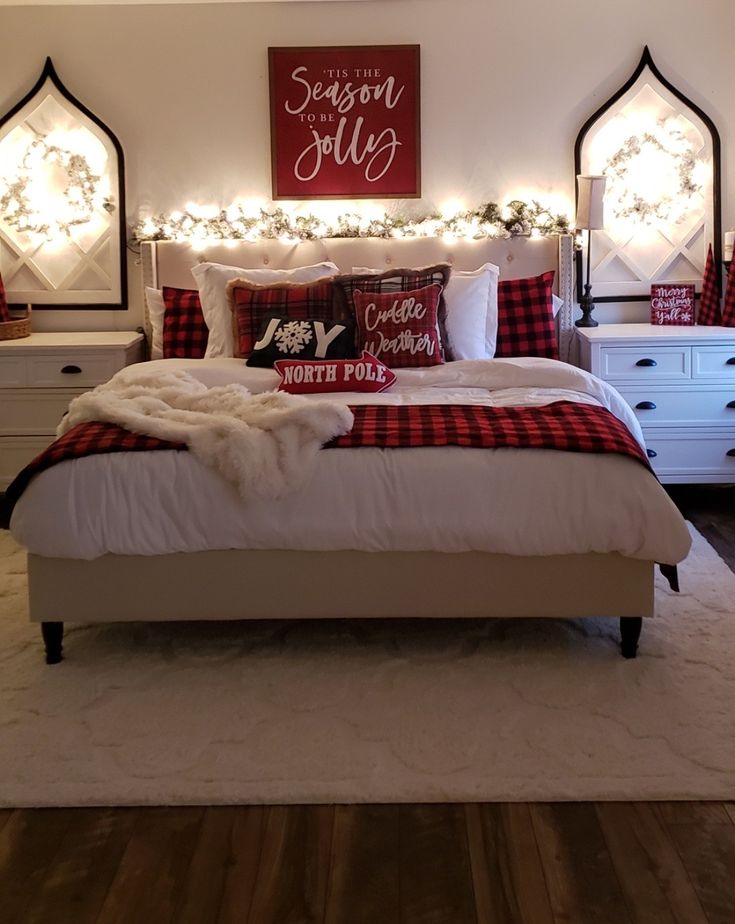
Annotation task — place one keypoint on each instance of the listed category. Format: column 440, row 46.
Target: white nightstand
column 680, row 381
column 40, row 374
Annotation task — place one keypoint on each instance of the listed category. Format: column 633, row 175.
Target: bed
column 91, row 524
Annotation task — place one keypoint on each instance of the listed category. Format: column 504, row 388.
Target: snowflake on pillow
column 293, row 336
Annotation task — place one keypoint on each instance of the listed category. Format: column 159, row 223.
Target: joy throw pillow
column 400, row 328
column 282, row 338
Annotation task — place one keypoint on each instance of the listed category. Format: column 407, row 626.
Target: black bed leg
column 630, row 632
column 53, row 634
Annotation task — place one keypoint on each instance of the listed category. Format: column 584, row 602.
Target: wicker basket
column 16, row 328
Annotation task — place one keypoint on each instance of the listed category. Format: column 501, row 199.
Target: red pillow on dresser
column 400, row 328
column 185, row 332
column 526, row 324
column 251, row 304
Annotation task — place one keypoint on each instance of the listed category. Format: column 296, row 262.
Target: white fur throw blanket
column 263, row 444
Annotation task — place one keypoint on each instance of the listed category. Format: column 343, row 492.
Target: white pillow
column 471, row 298
column 212, row 279
column 156, row 311
column 472, row 312
column 557, row 303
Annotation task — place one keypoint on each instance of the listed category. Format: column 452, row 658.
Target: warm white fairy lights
column 201, row 226
column 50, row 190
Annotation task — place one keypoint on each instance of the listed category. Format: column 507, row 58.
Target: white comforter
column 522, row 502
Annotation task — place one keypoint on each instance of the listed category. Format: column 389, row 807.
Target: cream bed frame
column 235, row 584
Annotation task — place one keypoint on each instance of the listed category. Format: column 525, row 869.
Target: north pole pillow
column 401, row 328
column 307, row 377
column 526, row 317
column 251, row 304
column 284, row 338
column 185, row 332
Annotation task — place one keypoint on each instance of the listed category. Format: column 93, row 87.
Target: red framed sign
column 672, row 304
column 345, row 122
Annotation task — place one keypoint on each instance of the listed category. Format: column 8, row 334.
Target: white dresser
column 680, row 381
column 40, row 374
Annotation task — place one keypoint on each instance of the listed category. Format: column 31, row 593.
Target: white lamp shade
column 590, row 204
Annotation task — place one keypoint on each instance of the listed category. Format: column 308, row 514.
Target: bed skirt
column 330, row 585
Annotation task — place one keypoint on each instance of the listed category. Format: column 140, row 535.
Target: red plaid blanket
column 564, row 425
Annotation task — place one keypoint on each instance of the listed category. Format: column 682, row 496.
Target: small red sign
column 672, row 304
column 345, row 122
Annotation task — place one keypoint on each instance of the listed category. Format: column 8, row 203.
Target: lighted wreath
column 81, row 193
column 666, row 182
column 489, row 220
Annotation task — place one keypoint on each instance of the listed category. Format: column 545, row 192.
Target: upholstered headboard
column 169, row 262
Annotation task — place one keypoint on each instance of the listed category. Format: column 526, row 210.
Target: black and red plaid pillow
column 4, row 313
column 396, row 280
column 526, row 324
column 251, row 304
column 185, row 332
column 400, row 328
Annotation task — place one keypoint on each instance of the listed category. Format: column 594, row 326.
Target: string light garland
column 21, row 206
column 653, row 177
column 489, row 220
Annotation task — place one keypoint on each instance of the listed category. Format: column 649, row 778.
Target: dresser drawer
column 645, row 363
column 689, row 455
column 709, row 362
column 12, row 371
column 70, row 370
column 29, row 413
column 58, row 370
column 673, row 405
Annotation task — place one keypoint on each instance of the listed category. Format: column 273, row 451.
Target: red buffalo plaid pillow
column 400, row 328
column 251, row 304
column 185, row 332
column 526, row 317
column 4, row 313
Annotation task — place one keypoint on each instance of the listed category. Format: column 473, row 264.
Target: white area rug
column 375, row 712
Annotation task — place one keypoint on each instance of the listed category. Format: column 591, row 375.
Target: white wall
column 505, row 88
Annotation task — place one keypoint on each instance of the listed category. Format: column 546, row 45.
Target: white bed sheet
column 521, row 502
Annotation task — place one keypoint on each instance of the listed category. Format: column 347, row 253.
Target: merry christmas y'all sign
column 345, row 122
column 672, row 304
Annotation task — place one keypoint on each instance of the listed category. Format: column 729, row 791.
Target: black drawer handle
column 730, row 361
column 650, row 362
column 730, row 404
column 651, row 453
column 71, row 370
column 645, row 406
column 731, row 452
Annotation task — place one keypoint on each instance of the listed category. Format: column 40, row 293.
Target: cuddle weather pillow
column 400, row 328
column 394, row 280
column 285, row 338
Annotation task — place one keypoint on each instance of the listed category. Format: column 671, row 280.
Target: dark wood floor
column 564, row 863
column 574, row 863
